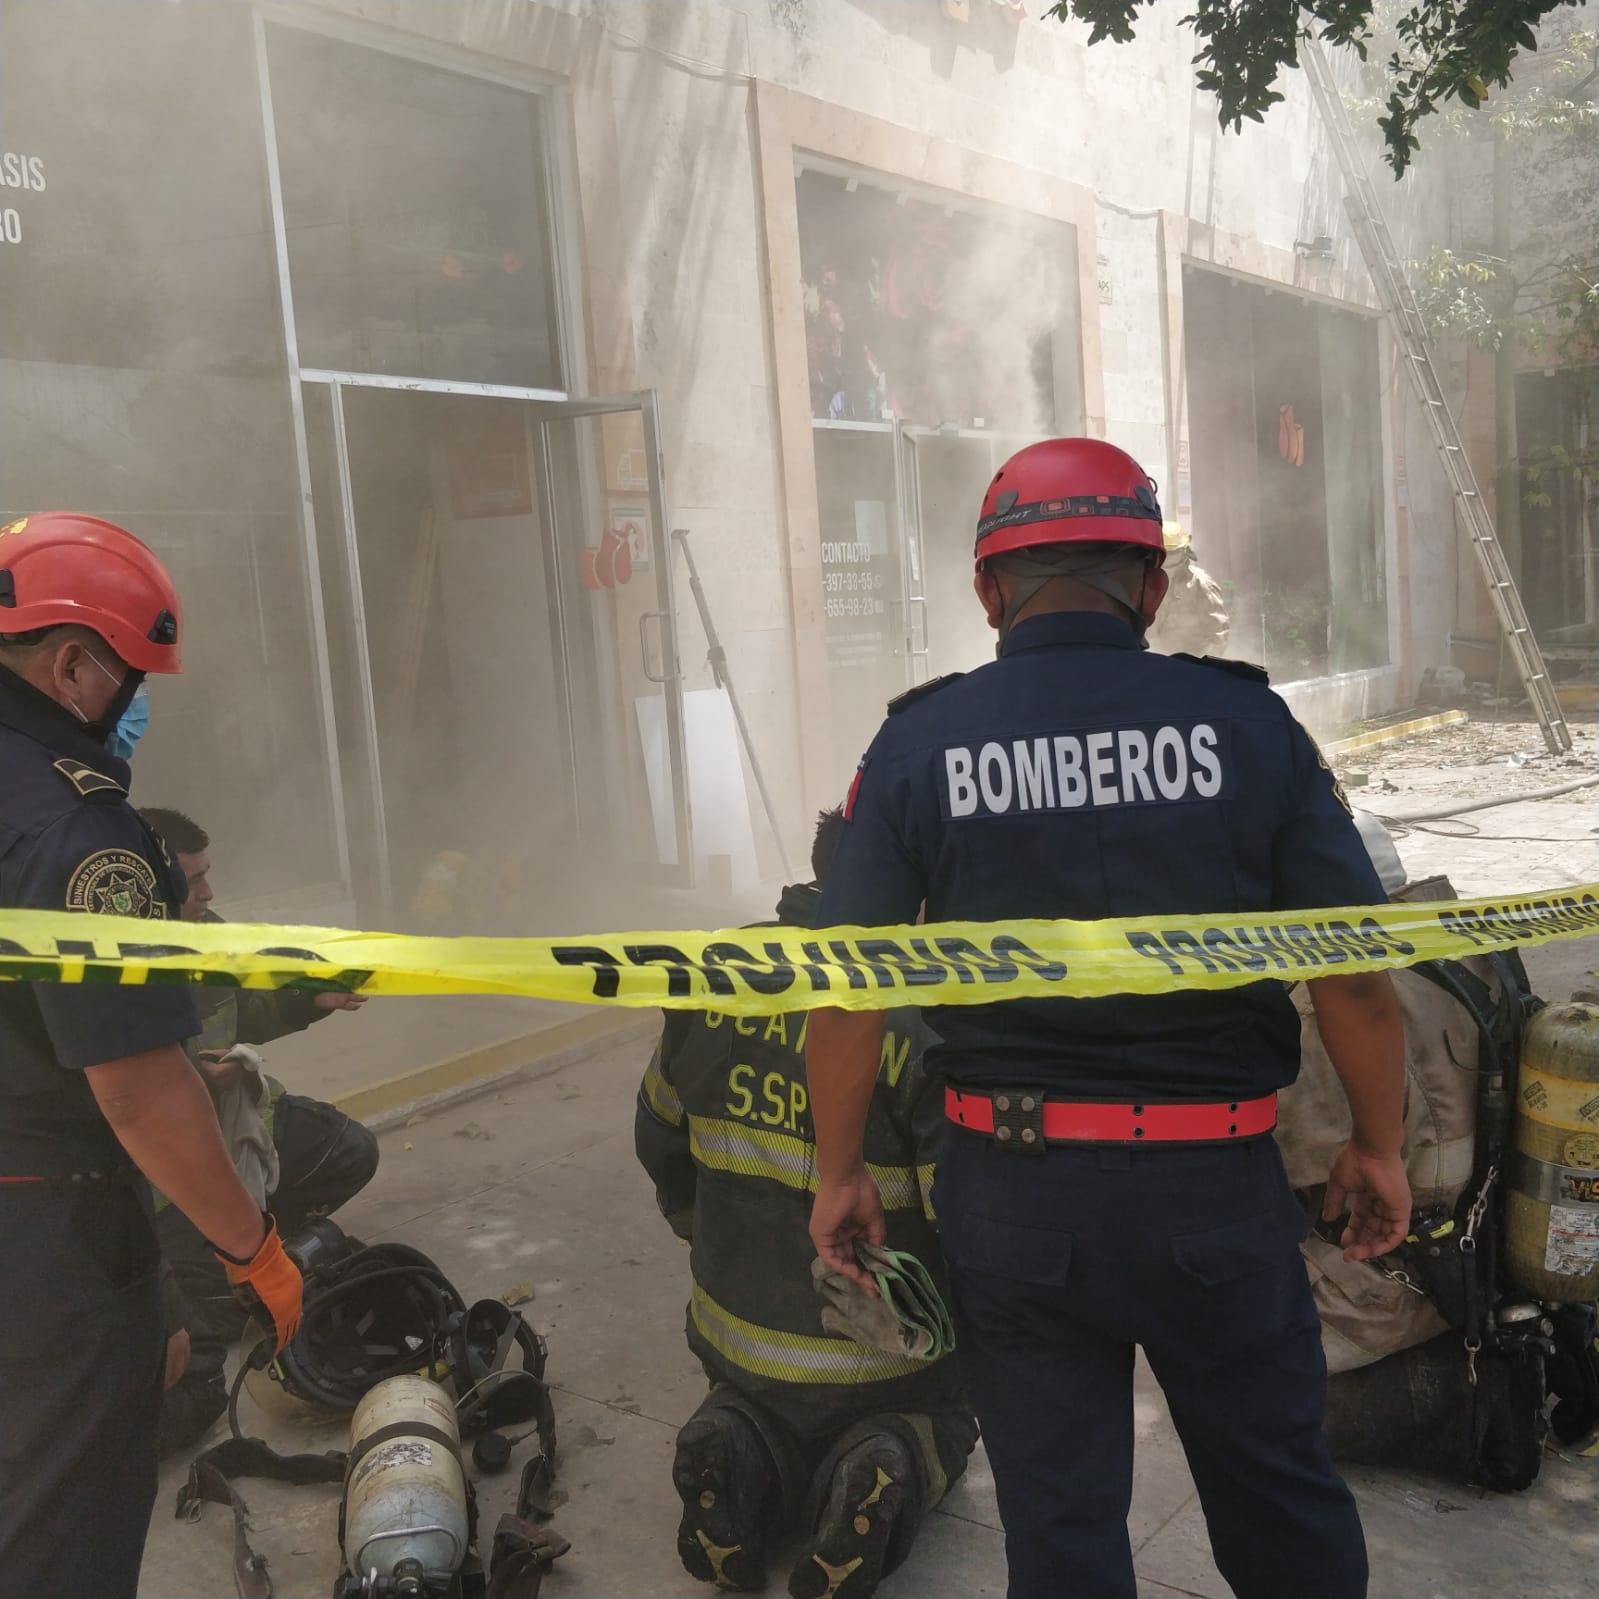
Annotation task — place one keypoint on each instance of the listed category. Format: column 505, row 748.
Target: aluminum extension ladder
column 1404, row 315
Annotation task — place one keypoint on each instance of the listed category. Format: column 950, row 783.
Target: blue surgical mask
column 131, row 725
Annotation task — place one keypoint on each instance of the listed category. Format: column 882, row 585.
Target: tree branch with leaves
column 1442, row 51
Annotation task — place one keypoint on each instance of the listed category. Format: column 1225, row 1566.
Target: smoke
column 951, row 333
column 1011, row 354
column 1015, row 329
column 144, row 376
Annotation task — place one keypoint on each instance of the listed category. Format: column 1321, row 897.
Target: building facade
column 1551, row 218
column 409, row 332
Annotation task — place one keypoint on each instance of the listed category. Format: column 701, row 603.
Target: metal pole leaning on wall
column 717, row 656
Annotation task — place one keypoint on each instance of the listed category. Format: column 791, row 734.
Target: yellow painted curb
column 549, row 1048
column 1386, row 735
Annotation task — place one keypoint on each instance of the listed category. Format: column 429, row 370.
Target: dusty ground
column 553, row 1199
column 1514, row 848
column 1480, row 759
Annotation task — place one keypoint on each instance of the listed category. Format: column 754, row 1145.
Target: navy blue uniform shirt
column 69, row 840
column 1078, row 777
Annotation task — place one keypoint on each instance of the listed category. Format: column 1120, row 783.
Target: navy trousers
column 81, row 1355
column 1061, row 1263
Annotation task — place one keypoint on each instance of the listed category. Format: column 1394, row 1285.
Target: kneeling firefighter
column 373, row 1315
column 300, row 1157
column 856, row 1435
column 1443, row 1355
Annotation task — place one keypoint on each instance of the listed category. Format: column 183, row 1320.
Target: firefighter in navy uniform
column 855, row 1443
column 1110, row 1181
column 95, row 1088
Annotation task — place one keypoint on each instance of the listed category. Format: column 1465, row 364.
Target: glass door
column 866, row 604
column 943, row 474
column 510, row 711
column 898, row 507
column 600, row 465
column 908, row 509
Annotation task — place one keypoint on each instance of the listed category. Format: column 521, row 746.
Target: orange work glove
column 270, row 1282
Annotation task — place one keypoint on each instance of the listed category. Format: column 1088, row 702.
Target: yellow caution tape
column 751, row 971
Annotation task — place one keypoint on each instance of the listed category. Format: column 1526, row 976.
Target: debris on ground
column 1478, row 759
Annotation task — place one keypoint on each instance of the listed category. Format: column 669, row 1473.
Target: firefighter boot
column 728, row 1484
column 867, row 1502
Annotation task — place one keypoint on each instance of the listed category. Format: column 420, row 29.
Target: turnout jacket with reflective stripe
column 723, row 1127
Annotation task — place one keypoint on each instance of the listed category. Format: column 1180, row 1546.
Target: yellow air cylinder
column 1552, row 1204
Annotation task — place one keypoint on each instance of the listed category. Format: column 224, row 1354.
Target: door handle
column 916, row 604
column 664, row 675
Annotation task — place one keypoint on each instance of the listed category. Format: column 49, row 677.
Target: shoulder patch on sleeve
column 1339, row 793
column 903, row 702
column 87, row 781
column 115, row 882
column 1245, row 669
column 854, row 789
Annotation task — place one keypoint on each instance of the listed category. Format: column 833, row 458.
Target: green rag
column 909, row 1288
column 908, row 1318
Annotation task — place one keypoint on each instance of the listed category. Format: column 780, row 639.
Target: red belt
column 1029, row 1121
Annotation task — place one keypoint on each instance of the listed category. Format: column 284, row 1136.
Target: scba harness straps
column 377, row 1312
column 753, row 972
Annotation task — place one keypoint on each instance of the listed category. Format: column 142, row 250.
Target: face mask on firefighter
column 108, row 727
column 131, row 725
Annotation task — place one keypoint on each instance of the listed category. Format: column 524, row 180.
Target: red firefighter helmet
column 61, row 567
column 1070, row 491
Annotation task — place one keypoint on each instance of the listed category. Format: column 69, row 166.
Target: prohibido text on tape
column 753, row 971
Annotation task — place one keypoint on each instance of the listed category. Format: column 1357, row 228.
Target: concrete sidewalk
column 534, row 1185
column 393, row 1037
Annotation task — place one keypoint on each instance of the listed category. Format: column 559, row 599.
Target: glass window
column 934, row 314
column 1285, row 427
column 1557, row 419
column 142, row 378
column 1357, row 604
column 414, row 202
column 863, row 584
column 961, row 324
